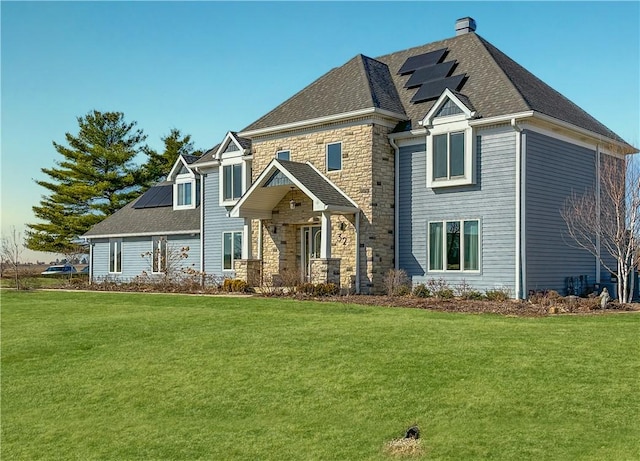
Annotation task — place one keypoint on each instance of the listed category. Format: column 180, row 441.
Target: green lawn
column 134, row 376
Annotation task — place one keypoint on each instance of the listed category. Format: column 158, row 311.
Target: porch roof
column 264, row 194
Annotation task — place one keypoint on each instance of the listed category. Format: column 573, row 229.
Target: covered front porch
column 298, row 227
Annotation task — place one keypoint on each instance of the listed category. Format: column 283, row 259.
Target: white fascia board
column 235, row 211
column 446, row 94
column 501, row 118
column 598, row 138
column 325, row 119
column 174, row 170
column 142, row 234
column 223, row 145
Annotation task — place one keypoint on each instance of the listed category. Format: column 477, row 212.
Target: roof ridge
column 365, row 69
column 484, row 44
column 303, row 89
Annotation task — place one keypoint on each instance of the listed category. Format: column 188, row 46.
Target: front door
column 310, row 248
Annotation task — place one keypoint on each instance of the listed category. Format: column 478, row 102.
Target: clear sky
column 210, row 67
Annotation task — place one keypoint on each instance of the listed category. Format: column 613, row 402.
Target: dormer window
column 450, row 150
column 184, row 192
column 235, row 169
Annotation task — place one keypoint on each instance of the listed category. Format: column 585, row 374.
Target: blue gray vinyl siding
column 133, row 261
column 215, row 224
column 491, row 200
column 554, row 169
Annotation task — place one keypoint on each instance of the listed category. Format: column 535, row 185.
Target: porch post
column 325, row 235
column 246, row 240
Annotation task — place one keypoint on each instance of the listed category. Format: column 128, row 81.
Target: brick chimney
column 465, row 25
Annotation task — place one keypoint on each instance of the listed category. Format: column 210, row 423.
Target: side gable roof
column 360, row 83
column 129, row 221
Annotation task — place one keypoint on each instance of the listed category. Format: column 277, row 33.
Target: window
column 231, row 249
column 184, row 194
column 283, row 155
column 232, row 182
column 159, row 255
column 448, row 155
column 334, row 156
column 454, row 246
column 115, row 256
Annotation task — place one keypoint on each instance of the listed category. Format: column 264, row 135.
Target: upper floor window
column 232, row 182
column 334, row 156
column 448, row 155
column 184, row 193
column 283, row 155
column 115, row 256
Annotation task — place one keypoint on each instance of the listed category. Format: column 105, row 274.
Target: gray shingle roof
column 360, row 83
column 208, row 155
column 129, row 220
column 316, row 183
column 190, row 158
column 495, row 85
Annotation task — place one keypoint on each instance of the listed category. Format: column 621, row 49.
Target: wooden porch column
column 246, row 239
column 325, row 235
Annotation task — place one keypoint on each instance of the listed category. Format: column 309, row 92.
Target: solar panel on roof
column 434, row 89
column 156, row 196
column 422, row 60
column 426, row 74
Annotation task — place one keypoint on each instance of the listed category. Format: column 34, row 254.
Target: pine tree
column 159, row 165
column 96, row 177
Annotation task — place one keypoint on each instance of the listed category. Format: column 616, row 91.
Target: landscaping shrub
column 421, row 291
column 396, row 283
column 474, row 295
column 234, row 286
column 498, row 294
column 445, row 293
column 325, row 289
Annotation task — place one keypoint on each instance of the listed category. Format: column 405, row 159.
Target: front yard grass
column 143, row 376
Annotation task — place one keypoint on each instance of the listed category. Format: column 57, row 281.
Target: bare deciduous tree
column 10, row 252
column 609, row 226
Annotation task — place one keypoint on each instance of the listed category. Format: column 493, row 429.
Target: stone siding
column 366, row 176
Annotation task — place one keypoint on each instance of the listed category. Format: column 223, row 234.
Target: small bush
column 421, row 291
column 445, row 293
column 396, row 282
column 325, row 289
column 234, row 286
column 474, row 295
column 498, row 294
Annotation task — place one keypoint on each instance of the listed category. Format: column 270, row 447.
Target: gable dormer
column 185, row 185
column 450, row 149
column 234, row 155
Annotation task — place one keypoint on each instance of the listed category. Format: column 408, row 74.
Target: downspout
column 358, row 252
column 201, row 222
column 91, row 244
column 396, row 208
column 598, row 210
column 518, row 198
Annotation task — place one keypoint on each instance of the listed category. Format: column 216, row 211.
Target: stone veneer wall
column 367, row 177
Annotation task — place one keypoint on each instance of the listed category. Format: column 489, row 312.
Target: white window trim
column 246, row 181
column 326, row 157
column 117, row 268
column 282, row 151
column 166, row 252
column 184, row 179
column 233, row 260
column 444, row 246
column 469, row 177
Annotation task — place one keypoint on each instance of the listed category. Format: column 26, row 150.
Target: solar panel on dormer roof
column 426, row 74
column 434, row 89
column 422, row 60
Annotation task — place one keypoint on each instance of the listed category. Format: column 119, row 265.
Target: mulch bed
column 508, row 308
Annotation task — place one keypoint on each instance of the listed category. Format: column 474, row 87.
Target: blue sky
column 209, row 67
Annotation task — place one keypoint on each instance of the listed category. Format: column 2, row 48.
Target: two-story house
column 448, row 160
